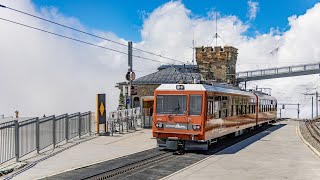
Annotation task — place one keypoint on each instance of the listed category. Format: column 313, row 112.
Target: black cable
column 81, row 41
column 90, row 34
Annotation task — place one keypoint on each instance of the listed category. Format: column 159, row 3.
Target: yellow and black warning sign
column 101, row 108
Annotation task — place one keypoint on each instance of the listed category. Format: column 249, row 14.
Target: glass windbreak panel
column 171, row 104
column 195, row 104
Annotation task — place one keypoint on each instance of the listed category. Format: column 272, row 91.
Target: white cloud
column 40, row 73
column 253, row 8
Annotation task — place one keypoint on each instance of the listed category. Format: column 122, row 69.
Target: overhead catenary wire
column 90, row 34
column 78, row 40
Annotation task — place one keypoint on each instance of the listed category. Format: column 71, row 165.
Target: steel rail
column 155, row 159
column 313, row 130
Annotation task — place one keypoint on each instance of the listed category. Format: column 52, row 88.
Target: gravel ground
column 306, row 135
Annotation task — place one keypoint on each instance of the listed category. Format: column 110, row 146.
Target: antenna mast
column 193, row 51
column 216, row 35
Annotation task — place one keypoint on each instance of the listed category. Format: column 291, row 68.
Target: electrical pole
column 317, row 104
column 298, row 110
column 130, row 71
column 288, row 104
column 312, row 108
column 193, row 51
column 280, row 112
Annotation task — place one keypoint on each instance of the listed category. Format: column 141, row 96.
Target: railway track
column 150, row 164
column 157, row 158
column 314, row 129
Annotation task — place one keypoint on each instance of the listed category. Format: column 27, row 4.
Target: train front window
column 171, row 104
column 195, row 104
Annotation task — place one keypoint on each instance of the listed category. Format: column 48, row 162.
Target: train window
column 224, row 113
column 195, row 105
column 231, row 110
column 245, row 109
column 171, row 104
column 237, row 110
column 210, row 106
column 224, row 104
column 217, row 107
column 229, row 106
column 240, row 106
column 236, row 100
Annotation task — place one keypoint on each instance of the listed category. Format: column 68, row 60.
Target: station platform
column 277, row 153
column 94, row 150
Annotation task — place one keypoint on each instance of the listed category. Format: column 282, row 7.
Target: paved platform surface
column 102, row 148
column 276, row 153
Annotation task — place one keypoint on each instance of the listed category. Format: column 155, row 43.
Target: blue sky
column 124, row 18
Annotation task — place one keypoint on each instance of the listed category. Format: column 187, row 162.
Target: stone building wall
column 142, row 90
column 146, row 90
column 217, row 63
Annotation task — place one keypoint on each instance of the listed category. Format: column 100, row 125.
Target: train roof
column 212, row 88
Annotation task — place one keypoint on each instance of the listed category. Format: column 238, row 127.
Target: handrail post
column 127, row 119
column 112, row 124
column 79, row 128
column 16, row 130
column 54, row 131
column 89, row 123
column 67, row 128
column 143, row 117
column 38, row 135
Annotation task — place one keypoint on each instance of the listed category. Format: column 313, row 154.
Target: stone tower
column 217, row 63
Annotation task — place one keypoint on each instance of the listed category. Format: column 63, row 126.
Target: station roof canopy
column 170, row 74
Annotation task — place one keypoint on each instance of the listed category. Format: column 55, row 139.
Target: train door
column 147, row 104
column 195, row 110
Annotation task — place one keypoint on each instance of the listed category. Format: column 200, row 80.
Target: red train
column 191, row 116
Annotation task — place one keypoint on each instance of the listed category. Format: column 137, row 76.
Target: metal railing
column 124, row 120
column 18, row 139
column 287, row 71
column 7, row 141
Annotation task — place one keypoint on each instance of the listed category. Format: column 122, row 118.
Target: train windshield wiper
column 175, row 109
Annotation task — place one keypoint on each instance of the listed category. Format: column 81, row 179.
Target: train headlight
column 159, row 125
column 196, row 127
